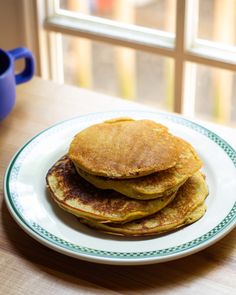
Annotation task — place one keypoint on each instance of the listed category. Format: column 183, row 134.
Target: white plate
column 29, row 204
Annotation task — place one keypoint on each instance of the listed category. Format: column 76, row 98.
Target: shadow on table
column 119, row 278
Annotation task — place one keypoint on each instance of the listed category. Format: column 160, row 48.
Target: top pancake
column 124, row 148
column 156, row 184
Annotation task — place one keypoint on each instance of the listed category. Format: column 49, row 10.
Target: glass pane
column 157, row 14
column 119, row 71
column 217, row 21
column 215, row 97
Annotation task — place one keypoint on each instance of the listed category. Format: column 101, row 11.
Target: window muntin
column 186, row 48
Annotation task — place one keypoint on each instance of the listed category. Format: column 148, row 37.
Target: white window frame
column 184, row 47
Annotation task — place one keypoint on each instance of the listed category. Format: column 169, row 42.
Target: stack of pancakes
column 130, row 177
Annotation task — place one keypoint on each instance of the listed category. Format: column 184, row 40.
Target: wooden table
column 27, row 267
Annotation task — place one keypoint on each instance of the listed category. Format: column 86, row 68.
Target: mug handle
column 28, row 72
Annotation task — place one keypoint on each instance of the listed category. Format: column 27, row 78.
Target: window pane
column 215, row 97
column 157, row 14
column 119, row 71
column 217, row 21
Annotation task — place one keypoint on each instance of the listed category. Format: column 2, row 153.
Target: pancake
column 124, row 148
column 155, row 185
column 187, row 207
column 75, row 195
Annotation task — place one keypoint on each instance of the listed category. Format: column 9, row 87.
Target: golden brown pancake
column 157, row 184
column 186, row 208
column 124, row 148
column 75, row 195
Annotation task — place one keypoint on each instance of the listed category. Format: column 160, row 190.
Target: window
column 178, row 55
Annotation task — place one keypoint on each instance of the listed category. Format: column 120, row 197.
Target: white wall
column 11, row 34
column 13, row 24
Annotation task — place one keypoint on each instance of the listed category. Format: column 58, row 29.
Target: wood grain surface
column 28, row 267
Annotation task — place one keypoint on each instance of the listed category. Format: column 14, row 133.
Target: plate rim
column 114, row 257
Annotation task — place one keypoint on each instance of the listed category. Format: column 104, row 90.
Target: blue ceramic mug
column 8, row 78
